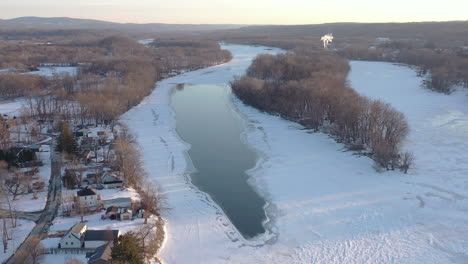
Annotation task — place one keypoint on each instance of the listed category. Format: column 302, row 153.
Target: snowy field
column 12, row 107
column 50, row 71
column 327, row 205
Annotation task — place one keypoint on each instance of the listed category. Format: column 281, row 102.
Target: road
column 30, row 216
column 48, row 214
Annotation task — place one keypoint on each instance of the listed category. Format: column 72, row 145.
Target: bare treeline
column 190, row 54
column 111, row 84
column 310, row 88
column 445, row 68
column 15, row 85
column 437, row 48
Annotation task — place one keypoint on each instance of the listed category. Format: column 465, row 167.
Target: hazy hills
column 66, row 23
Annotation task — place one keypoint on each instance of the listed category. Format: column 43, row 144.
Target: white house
column 126, row 214
column 88, row 199
column 74, row 237
column 97, row 238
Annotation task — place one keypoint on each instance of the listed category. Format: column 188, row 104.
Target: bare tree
column 4, row 235
column 17, row 183
column 4, row 134
column 406, row 161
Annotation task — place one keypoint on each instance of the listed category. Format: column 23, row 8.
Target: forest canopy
column 310, row 88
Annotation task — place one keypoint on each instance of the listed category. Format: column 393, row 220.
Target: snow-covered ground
column 64, row 258
column 145, row 41
column 11, row 108
column 327, row 205
column 27, row 202
column 18, row 234
column 50, row 71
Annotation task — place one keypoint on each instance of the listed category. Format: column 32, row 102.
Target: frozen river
column 324, row 204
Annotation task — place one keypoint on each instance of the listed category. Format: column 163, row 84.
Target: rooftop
column 119, row 200
column 101, row 253
column 86, row 192
column 101, row 235
column 77, row 228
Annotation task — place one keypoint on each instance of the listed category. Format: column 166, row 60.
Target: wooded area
column 437, row 48
column 115, row 73
column 310, row 88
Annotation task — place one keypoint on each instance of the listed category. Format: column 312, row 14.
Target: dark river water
column 207, row 121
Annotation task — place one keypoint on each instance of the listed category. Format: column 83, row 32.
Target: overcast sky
column 241, row 11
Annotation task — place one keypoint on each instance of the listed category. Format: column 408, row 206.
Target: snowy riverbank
column 330, row 206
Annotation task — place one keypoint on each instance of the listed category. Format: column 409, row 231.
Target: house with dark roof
column 74, row 237
column 102, row 254
column 97, row 238
column 88, row 199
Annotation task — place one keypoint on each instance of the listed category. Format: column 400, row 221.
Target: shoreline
column 164, row 121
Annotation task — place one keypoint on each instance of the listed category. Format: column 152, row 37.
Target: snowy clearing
column 27, row 202
column 327, row 205
column 12, row 107
column 18, row 234
column 50, row 71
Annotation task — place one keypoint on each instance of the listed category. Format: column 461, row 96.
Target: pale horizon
column 261, row 12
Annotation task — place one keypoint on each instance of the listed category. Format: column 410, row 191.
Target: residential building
column 111, row 181
column 74, row 237
column 88, row 199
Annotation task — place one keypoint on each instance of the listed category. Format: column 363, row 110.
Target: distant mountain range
column 66, row 23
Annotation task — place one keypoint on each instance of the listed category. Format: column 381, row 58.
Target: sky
column 287, row 12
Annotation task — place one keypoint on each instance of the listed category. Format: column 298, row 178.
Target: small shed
column 112, row 212
column 126, row 214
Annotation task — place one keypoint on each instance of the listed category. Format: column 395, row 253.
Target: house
column 125, row 214
column 111, row 181
column 88, row 199
column 102, row 254
column 118, row 202
column 121, row 213
column 74, row 236
column 112, row 212
column 97, row 238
